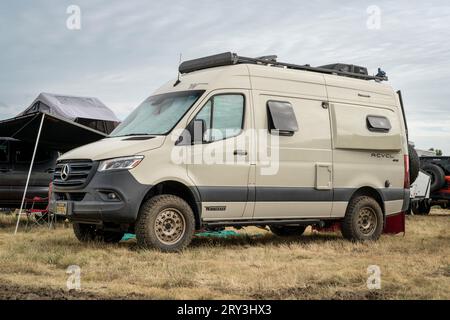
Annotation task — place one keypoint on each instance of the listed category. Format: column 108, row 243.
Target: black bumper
column 91, row 203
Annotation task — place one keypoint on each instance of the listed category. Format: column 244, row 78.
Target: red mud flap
column 395, row 223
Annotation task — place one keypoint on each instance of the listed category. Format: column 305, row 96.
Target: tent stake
column 29, row 173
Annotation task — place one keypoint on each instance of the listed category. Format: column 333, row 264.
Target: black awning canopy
column 57, row 133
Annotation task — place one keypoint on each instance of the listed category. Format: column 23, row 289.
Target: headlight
column 124, row 163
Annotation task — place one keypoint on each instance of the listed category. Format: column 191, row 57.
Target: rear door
column 43, row 167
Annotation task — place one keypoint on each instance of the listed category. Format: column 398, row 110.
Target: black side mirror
column 193, row 134
column 197, row 131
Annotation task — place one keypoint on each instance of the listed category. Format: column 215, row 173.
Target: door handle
column 240, row 153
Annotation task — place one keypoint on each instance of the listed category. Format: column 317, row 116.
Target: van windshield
column 158, row 114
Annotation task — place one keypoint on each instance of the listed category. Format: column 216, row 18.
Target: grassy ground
column 256, row 265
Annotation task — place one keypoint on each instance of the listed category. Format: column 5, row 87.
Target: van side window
column 223, row 115
column 4, row 151
column 378, row 124
column 281, row 117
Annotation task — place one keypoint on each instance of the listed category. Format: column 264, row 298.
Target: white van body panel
column 332, row 155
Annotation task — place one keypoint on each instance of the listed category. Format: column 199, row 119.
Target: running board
column 241, row 223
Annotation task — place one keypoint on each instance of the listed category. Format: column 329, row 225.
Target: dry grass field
column 255, row 265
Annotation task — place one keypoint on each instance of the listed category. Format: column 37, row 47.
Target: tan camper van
column 238, row 141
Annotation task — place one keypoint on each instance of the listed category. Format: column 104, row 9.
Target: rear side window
column 378, row 124
column 4, row 151
column 281, row 117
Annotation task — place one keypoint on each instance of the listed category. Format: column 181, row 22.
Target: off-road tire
column 414, row 164
column 437, row 176
column 287, row 231
column 88, row 232
column 353, row 222
column 148, row 234
column 422, row 208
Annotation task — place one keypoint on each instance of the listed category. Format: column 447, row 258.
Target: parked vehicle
column 342, row 156
column 420, row 194
column 439, row 170
column 15, row 158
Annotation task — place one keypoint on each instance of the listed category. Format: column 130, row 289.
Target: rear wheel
column 421, row 208
column 89, row 232
column 287, row 231
column 363, row 220
column 165, row 222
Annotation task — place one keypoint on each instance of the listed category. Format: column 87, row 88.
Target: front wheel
column 165, row 222
column 363, row 220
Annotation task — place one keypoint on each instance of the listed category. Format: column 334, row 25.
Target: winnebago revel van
column 238, row 141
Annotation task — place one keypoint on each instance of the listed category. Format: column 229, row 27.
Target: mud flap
column 395, row 224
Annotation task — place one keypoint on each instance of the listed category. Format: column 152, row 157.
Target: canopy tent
column 88, row 111
column 57, row 133
column 61, row 123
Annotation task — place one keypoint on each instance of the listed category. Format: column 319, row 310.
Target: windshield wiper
column 131, row 134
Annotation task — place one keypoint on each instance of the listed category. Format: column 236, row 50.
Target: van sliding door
column 294, row 171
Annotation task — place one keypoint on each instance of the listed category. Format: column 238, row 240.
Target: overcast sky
column 126, row 49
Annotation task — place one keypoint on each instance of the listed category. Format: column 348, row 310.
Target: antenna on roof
column 179, row 73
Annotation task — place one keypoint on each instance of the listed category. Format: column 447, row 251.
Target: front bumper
column 90, row 203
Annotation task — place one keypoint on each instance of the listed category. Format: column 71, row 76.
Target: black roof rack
column 229, row 58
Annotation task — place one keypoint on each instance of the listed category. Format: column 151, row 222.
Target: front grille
column 75, row 174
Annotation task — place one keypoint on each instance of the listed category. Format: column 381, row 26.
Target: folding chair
column 39, row 217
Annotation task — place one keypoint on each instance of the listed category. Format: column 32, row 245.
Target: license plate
column 61, row 208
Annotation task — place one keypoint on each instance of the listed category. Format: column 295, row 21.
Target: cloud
column 126, row 49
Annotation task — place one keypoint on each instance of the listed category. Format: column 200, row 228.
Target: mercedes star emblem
column 65, row 172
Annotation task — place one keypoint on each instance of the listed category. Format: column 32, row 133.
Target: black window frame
column 271, row 124
column 372, row 128
column 212, row 113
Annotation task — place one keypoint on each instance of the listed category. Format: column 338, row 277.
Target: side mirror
column 193, row 134
column 197, row 131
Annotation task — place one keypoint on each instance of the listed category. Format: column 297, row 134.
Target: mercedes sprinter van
column 238, row 141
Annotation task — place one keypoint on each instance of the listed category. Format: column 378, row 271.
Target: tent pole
column 29, row 172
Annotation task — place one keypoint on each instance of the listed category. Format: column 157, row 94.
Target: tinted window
column 378, row 124
column 4, row 151
column 281, row 117
column 24, row 154
column 224, row 116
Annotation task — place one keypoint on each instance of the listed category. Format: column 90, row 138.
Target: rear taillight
column 406, row 178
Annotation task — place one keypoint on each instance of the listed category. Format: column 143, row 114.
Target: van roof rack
column 229, row 58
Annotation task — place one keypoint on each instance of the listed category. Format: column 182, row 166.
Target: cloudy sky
column 126, row 49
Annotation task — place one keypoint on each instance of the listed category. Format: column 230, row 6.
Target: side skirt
column 240, row 223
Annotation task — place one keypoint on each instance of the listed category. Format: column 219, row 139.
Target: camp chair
column 39, row 217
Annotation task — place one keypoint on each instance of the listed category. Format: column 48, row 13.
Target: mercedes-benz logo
column 65, row 172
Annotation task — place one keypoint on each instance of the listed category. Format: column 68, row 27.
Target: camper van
column 236, row 142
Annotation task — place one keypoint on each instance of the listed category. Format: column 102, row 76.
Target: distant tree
column 437, row 151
